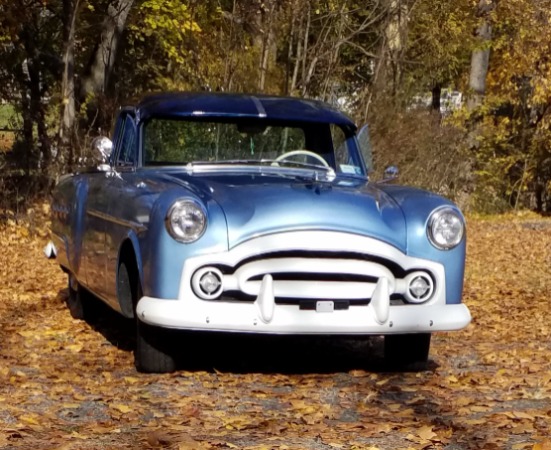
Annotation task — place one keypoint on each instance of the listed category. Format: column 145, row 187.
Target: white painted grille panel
column 247, row 278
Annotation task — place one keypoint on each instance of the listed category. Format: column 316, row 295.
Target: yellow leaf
column 520, row 446
column 79, row 436
column 122, row 408
column 545, row 445
column 76, row 348
column 426, row 433
column 519, row 415
column 131, row 380
column 70, row 405
column 26, row 333
column 107, row 376
column 29, row 419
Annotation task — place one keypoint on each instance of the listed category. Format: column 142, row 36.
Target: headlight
column 445, row 228
column 186, row 221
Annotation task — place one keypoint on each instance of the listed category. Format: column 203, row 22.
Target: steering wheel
column 302, row 152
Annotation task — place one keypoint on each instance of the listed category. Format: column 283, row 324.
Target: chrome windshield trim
column 314, row 173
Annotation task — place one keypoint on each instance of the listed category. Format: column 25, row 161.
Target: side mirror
column 391, row 173
column 101, row 151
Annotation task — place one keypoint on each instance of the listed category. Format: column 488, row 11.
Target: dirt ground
column 68, row 384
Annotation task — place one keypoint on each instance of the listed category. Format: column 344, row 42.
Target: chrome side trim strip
column 136, row 226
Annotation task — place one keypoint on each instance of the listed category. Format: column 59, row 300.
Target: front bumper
column 254, row 268
column 288, row 319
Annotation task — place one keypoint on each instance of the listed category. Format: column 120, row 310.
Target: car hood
column 259, row 204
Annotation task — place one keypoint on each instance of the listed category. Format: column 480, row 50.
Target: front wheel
column 407, row 352
column 152, row 353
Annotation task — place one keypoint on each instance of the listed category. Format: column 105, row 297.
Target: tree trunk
column 395, row 33
column 28, row 146
column 229, row 61
column 387, row 72
column 436, row 95
column 99, row 72
column 298, row 60
column 68, row 110
column 269, row 46
column 39, row 116
column 480, row 58
column 36, row 88
column 331, row 85
column 305, row 49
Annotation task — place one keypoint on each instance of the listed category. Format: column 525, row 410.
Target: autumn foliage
column 67, row 66
column 69, row 384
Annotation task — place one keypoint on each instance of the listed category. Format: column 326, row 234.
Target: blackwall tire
column 80, row 302
column 407, row 352
column 153, row 353
column 74, row 302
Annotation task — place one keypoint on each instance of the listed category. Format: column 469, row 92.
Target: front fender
column 417, row 206
column 163, row 257
column 130, row 247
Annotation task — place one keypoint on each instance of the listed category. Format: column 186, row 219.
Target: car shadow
column 245, row 353
column 253, row 353
column 118, row 330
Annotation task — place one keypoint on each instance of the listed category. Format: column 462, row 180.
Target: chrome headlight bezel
column 186, row 210
column 445, row 217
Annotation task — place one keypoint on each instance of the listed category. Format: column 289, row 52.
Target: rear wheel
column 152, row 354
column 407, row 352
column 79, row 300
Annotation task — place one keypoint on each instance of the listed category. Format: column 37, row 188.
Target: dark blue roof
column 206, row 104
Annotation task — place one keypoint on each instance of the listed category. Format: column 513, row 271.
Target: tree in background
column 512, row 149
column 29, row 70
column 66, row 66
column 41, row 68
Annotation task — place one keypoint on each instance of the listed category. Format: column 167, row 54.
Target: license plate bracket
column 325, row 306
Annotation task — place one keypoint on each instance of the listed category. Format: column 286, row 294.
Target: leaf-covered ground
column 67, row 384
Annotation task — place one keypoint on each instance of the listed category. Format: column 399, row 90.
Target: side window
column 344, row 159
column 339, row 145
column 365, row 147
column 127, row 153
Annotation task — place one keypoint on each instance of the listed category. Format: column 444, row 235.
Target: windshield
column 177, row 142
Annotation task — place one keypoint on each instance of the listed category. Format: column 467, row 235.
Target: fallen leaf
column 122, row 408
column 426, row 433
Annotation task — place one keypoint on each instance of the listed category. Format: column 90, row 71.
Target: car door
column 95, row 218
column 123, row 192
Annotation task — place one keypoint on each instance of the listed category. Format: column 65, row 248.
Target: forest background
column 457, row 93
